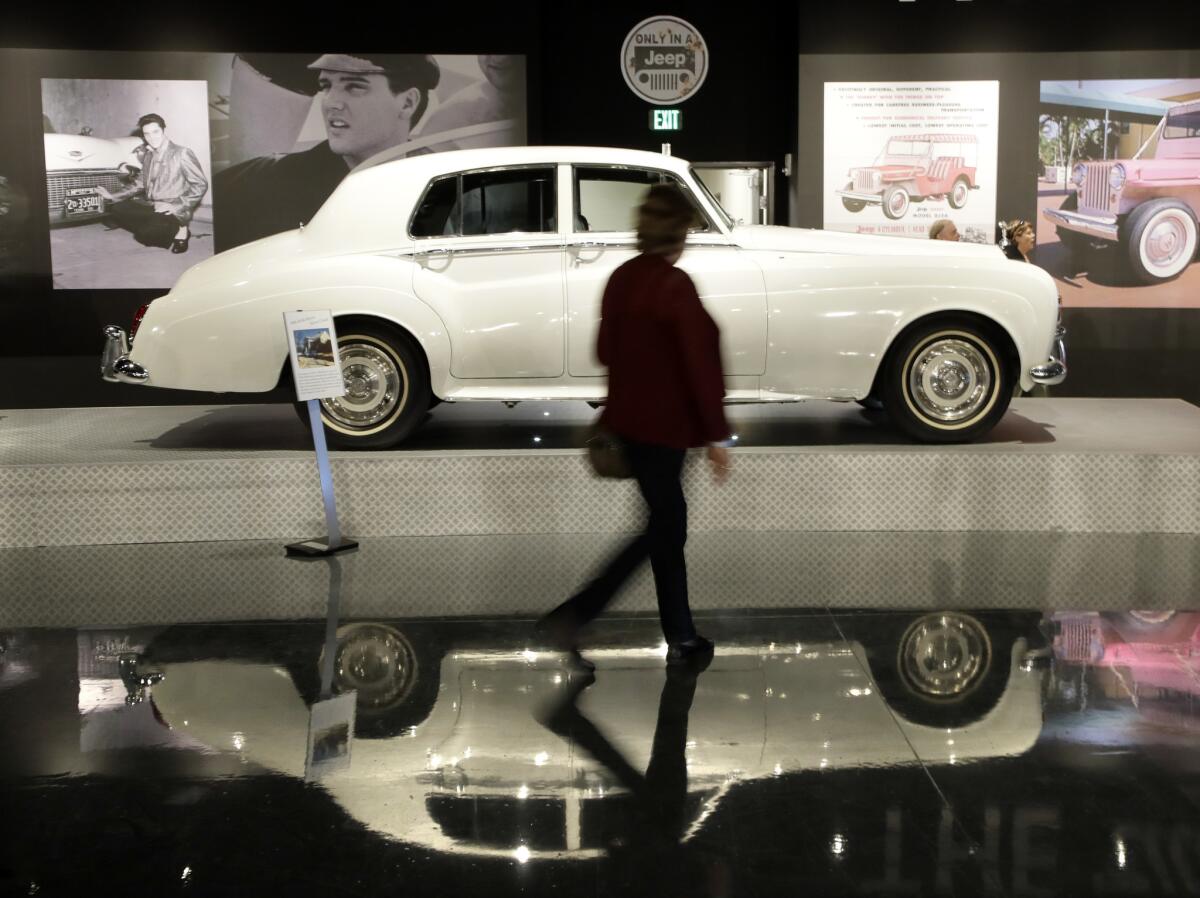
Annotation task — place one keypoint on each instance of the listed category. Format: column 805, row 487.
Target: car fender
column 213, row 339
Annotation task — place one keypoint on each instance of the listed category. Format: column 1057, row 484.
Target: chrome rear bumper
column 115, row 366
column 1054, row 369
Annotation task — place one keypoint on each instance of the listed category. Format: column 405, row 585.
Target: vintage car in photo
column 76, row 164
column 914, row 168
column 1146, row 206
column 478, row 274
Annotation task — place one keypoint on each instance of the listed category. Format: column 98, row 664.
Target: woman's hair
column 937, row 227
column 1015, row 228
column 663, row 220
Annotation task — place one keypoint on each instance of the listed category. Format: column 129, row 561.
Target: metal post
column 334, row 541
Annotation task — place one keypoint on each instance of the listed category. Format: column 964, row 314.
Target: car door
column 730, row 283
column 490, row 263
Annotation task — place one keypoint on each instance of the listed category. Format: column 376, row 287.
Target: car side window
column 439, row 213
column 498, row 202
column 606, row 199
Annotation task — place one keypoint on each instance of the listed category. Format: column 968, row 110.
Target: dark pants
column 148, row 227
column 657, row 470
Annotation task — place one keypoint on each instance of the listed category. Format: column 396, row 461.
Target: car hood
column 76, row 151
column 804, row 240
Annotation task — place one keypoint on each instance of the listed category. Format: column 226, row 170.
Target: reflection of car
column 478, row 275
column 76, row 165
column 1148, row 205
column 760, row 711
column 914, row 168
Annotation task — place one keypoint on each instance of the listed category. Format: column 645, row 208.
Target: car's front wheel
column 387, row 388
column 1160, row 236
column 947, row 381
column 895, row 202
column 852, row 205
column 957, row 197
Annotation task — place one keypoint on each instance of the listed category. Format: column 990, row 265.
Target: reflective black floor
column 823, row 752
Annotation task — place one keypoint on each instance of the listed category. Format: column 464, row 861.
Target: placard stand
column 334, row 542
column 317, row 373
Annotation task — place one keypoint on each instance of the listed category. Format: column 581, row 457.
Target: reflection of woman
column 1021, row 238
column 654, row 330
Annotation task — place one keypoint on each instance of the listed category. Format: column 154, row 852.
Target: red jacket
column 662, row 349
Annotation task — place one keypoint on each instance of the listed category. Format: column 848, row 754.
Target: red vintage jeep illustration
column 914, row 168
column 1147, row 205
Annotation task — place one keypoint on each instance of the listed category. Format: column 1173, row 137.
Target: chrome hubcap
column 1166, row 243
column 944, row 655
column 898, row 202
column 950, row 380
column 376, row 661
column 960, row 194
column 375, row 385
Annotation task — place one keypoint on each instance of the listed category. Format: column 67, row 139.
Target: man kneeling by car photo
column 158, row 206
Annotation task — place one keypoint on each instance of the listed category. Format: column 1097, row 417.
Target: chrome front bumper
column 861, row 197
column 115, row 366
column 1102, row 228
column 1054, row 369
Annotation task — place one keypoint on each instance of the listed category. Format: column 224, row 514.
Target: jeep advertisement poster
column 1118, row 191
column 899, row 156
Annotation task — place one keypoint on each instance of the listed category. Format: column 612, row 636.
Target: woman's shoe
column 181, row 246
column 696, row 651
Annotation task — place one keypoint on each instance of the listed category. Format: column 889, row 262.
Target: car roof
column 431, row 164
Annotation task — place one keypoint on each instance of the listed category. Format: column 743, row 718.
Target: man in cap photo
column 369, row 103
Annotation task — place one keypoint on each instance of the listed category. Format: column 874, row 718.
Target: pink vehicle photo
column 914, row 168
column 1147, row 205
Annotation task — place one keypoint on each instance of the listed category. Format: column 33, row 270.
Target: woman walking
column 665, row 391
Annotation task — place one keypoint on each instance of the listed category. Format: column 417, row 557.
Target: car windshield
column 908, row 148
column 725, row 216
column 1183, row 123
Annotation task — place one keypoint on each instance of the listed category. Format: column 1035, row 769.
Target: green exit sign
column 666, row 119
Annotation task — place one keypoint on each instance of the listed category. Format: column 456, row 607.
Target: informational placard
column 312, row 344
column 330, row 735
column 901, row 155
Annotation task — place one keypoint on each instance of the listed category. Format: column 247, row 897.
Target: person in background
column 654, row 330
column 1021, row 238
column 943, row 229
column 158, row 207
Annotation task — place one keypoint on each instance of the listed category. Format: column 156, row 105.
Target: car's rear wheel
column 387, row 388
column 895, row 202
column 957, row 197
column 947, row 381
column 852, row 205
column 1160, row 237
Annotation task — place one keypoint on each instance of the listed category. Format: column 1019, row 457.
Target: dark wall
column 747, row 110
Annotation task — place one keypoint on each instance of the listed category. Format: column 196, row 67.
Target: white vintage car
column 477, row 275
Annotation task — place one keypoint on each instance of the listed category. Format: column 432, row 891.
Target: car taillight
column 137, row 321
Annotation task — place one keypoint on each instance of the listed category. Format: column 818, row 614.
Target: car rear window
column 1185, row 123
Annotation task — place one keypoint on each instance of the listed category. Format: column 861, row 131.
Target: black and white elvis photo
column 128, row 171
column 298, row 124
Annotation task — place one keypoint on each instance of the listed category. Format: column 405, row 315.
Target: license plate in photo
column 83, row 202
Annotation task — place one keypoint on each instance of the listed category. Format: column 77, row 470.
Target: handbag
column 606, row 453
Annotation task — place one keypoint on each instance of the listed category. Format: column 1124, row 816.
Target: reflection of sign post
column 317, row 372
column 331, row 717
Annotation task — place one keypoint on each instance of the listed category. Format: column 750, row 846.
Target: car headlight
column 1116, row 177
column 1078, row 174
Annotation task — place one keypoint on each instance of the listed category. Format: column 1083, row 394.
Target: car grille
column 1095, row 186
column 663, row 80
column 867, row 180
column 1077, row 637
column 58, row 183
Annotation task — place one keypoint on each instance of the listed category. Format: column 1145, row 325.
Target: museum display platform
column 77, row 477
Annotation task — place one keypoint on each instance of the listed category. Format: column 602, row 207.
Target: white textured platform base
column 179, row 474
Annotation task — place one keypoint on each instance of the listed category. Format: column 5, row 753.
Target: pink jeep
column 914, row 168
column 1146, row 205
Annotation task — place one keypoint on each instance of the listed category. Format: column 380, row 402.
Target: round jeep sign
column 664, row 60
